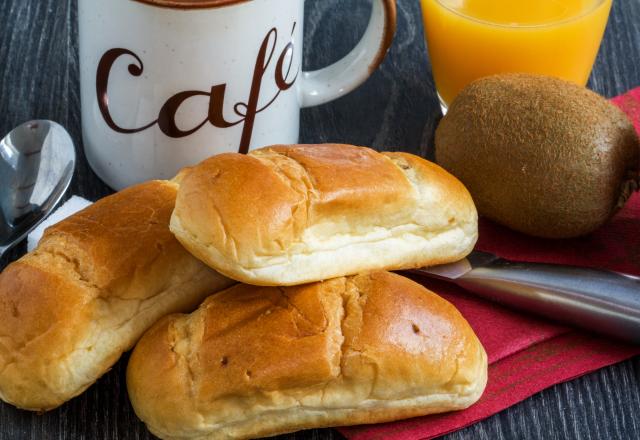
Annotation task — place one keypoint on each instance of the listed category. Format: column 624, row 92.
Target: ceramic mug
column 168, row 83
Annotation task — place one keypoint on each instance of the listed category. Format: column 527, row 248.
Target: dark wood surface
column 396, row 109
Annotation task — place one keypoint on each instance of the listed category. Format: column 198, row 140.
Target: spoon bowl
column 37, row 160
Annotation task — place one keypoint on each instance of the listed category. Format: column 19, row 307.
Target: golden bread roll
column 260, row 361
column 94, row 284
column 287, row 215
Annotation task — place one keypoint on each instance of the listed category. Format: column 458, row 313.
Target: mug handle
column 340, row 78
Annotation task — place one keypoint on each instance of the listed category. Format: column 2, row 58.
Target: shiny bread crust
column 260, row 361
column 288, row 215
column 94, row 284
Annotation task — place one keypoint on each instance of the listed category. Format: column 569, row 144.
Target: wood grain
column 395, row 109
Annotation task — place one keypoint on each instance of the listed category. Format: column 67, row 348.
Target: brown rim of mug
column 191, row 4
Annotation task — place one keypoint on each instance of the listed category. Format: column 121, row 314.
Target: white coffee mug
column 168, row 83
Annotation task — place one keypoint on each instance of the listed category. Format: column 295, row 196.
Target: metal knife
column 597, row 300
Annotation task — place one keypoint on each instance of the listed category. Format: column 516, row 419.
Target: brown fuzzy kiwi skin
column 540, row 155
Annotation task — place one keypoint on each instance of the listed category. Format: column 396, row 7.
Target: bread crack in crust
column 288, row 215
column 358, row 360
column 95, row 283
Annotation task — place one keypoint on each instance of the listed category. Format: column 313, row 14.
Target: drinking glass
column 469, row 39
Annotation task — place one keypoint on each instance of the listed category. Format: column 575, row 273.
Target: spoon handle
column 3, row 249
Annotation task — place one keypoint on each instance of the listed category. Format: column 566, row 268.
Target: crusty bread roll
column 287, row 215
column 95, row 283
column 260, row 361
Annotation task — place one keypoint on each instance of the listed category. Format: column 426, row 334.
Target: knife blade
column 598, row 300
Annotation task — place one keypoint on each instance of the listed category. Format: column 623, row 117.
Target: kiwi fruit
column 540, row 155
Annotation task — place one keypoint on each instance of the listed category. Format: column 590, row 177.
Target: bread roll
column 94, row 284
column 260, row 361
column 288, row 215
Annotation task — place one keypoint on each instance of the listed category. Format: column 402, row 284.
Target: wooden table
column 396, row 109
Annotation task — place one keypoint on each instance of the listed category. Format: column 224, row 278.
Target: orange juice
column 469, row 39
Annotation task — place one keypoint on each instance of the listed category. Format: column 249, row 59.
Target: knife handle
column 597, row 300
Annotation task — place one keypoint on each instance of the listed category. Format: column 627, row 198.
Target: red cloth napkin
column 528, row 354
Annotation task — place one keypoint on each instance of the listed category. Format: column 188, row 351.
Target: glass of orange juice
column 469, row 39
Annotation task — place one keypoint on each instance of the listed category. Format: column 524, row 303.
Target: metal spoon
column 37, row 160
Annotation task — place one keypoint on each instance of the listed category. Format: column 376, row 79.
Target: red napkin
column 528, row 354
